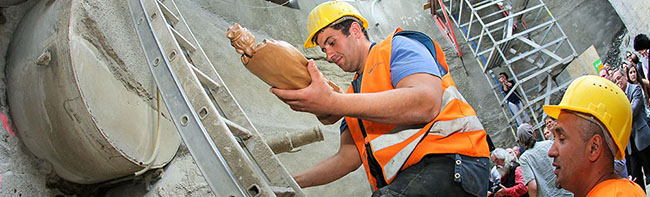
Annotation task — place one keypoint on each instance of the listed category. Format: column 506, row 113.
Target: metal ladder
column 233, row 158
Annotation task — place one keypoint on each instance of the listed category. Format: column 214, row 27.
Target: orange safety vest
column 388, row 149
column 617, row 187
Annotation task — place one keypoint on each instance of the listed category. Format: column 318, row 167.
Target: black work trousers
column 441, row 175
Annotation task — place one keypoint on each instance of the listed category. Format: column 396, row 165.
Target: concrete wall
column 636, row 19
column 587, row 22
column 634, row 14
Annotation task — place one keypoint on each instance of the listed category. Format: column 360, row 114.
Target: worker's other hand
column 317, row 98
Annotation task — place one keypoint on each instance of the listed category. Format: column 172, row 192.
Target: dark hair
column 634, row 58
column 504, row 74
column 641, row 42
column 344, row 26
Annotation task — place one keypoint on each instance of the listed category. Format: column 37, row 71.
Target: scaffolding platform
column 522, row 39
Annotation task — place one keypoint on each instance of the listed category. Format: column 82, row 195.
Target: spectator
column 514, row 101
column 516, row 149
column 594, row 121
column 536, row 166
column 548, row 135
column 641, row 45
column 634, row 60
column 550, row 122
column 512, row 183
column 604, row 73
column 495, row 178
column 637, row 148
column 634, row 77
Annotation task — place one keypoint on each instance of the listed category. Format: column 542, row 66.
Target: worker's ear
column 355, row 30
column 596, row 145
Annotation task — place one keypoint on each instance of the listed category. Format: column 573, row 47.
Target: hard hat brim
column 553, row 110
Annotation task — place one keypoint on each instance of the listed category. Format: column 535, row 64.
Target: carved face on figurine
column 242, row 40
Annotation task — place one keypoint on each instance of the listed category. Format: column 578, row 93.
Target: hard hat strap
column 608, row 138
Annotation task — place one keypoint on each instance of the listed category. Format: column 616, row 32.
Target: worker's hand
column 501, row 192
column 317, row 98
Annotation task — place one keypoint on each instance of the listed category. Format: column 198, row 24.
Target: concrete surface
column 209, row 20
column 636, row 19
column 634, row 15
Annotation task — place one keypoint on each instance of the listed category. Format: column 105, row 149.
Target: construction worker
column 594, row 121
column 405, row 121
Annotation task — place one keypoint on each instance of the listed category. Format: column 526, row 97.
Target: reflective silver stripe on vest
column 387, row 140
column 395, row 136
column 449, row 95
column 393, row 166
column 402, row 133
column 447, row 127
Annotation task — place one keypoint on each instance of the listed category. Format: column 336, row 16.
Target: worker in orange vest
column 594, row 122
column 405, row 120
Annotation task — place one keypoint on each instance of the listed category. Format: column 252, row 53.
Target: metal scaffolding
column 520, row 38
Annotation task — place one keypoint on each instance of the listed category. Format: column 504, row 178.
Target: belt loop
column 457, row 168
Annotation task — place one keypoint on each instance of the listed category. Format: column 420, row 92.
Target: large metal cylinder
column 81, row 95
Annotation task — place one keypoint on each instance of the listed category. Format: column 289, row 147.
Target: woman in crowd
column 634, row 77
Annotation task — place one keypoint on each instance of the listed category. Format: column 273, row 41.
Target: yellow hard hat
column 327, row 13
column 602, row 99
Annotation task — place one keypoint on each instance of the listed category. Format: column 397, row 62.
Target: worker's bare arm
column 334, row 167
column 416, row 99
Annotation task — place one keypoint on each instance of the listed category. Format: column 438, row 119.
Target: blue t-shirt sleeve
column 344, row 125
column 409, row 57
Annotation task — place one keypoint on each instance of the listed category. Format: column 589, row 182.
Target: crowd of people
column 632, row 77
column 529, row 172
column 536, row 171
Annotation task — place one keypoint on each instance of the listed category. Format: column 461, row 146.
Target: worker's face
column 341, row 49
column 569, row 151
